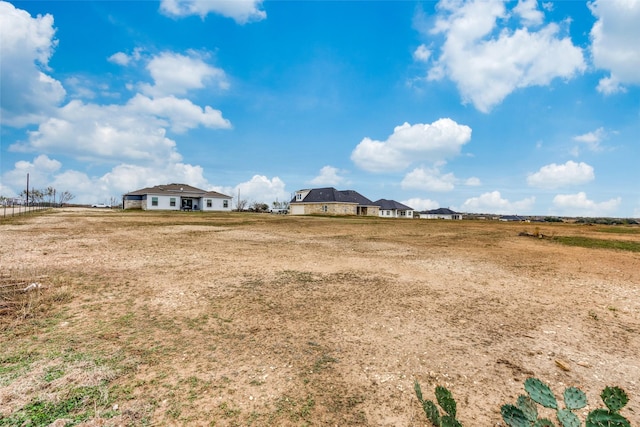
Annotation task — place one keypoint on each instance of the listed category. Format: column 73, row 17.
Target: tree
column 50, row 192
column 259, row 207
column 241, row 204
column 64, row 197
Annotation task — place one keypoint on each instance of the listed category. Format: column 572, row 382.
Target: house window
column 154, row 201
column 172, row 201
column 298, row 197
column 225, row 204
column 209, row 203
column 325, row 208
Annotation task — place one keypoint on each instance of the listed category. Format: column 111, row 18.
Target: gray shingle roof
column 441, row 211
column 175, row 189
column 330, row 194
column 391, row 205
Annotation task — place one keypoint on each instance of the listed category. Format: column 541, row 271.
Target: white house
column 173, row 197
column 393, row 209
column 441, row 213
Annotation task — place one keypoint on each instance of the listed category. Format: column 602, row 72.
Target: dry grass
column 267, row 320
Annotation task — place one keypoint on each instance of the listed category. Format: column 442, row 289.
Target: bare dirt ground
column 268, row 320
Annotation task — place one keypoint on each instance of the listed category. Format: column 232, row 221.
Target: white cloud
column 428, row 179
column 262, row 190
column 488, row 63
column 494, row 203
column 120, row 58
column 176, row 74
column 614, row 43
column 28, row 94
column 421, row 204
column 592, row 139
column 473, row 182
column 39, row 170
column 555, row 176
column 422, row 53
column 182, row 114
column 135, row 131
column 242, row 11
column 124, row 59
column 579, row 205
column 328, row 176
column 434, row 142
column 528, row 11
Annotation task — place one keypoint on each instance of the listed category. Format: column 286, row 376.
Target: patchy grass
column 592, row 243
column 619, row 230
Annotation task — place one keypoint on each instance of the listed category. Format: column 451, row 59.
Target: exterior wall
column 132, row 204
column 163, row 203
column 394, row 213
column 440, row 216
column 330, row 208
column 405, row 214
column 387, row 213
column 372, row 210
column 216, row 204
column 322, row 209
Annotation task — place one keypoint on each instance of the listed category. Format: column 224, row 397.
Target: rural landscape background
column 111, row 317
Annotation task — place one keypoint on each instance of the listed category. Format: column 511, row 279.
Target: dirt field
column 272, row 320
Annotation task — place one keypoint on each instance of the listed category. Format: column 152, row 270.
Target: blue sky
column 517, row 107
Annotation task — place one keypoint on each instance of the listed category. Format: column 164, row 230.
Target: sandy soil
column 241, row 319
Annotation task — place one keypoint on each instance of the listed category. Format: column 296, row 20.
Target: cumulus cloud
column 422, row 53
column 120, row 58
column 125, row 59
column 434, row 142
column 487, row 63
column 592, row 139
column 494, row 203
column 528, row 11
column 241, row 11
column 579, row 205
column 555, row 176
column 614, row 43
column 421, row 204
column 176, row 74
column 132, row 132
column 262, row 190
column 329, row 176
column 28, row 93
column 428, row 179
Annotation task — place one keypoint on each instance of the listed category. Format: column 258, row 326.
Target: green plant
column 445, row 401
column 525, row 413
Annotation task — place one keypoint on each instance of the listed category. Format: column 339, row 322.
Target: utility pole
column 27, row 189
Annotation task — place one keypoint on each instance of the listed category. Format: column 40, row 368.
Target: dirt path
column 276, row 320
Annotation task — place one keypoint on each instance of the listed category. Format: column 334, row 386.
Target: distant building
column 441, row 213
column 393, row 209
column 512, row 218
column 329, row 201
column 173, row 197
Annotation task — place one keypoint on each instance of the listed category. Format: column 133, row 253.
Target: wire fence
column 13, row 210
